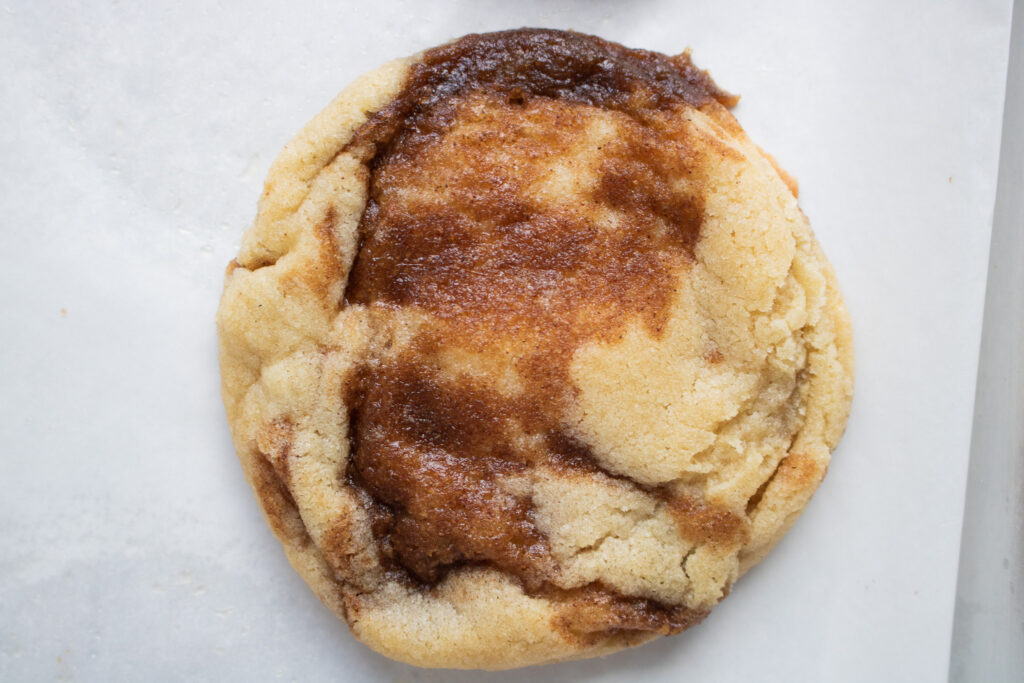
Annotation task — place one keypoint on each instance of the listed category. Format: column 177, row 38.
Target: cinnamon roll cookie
column 530, row 352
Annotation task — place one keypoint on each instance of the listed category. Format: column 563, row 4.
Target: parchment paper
column 134, row 138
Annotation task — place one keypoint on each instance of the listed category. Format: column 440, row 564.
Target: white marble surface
column 133, row 142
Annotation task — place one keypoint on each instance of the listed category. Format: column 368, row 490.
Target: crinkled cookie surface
column 530, row 352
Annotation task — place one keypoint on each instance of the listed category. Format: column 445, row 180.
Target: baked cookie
column 530, row 352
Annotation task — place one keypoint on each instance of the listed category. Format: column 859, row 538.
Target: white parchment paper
column 134, row 138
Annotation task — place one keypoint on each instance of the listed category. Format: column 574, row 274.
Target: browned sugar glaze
column 530, row 191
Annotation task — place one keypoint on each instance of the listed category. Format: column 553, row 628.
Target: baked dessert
column 530, row 352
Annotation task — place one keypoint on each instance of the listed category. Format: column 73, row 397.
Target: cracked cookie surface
column 530, row 352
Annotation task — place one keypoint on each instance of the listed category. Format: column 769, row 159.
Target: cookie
column 530, row 352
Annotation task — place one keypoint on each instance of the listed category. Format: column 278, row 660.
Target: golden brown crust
column 578, row 365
